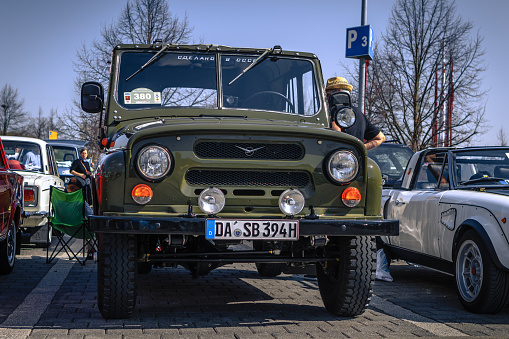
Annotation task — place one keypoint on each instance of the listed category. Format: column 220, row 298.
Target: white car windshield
column 23, row 155
column 482, row 167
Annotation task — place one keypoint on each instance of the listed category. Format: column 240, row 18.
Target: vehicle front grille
column 248, row 150
column 247, row 178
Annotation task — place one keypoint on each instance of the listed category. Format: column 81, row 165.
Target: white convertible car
column 34, row 160
column 453, row 208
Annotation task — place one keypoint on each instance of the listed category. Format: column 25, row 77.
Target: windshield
column 64, row 155
column 391, row 159
column 180, row 80
column 482, row 167
column 23, row 155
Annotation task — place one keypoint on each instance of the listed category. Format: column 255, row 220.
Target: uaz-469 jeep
column 216, row 155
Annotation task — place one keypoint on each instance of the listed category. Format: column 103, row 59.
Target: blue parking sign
column 359, row 42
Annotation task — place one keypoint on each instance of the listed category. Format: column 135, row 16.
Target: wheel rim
column 11, row 247
column 469, row 271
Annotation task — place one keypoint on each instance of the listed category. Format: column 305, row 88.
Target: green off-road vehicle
column 217, row 155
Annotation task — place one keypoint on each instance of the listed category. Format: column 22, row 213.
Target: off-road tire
column 346, row 284
column 269, row 269
column 8, row 251
column 486, row 291
column 116, row 275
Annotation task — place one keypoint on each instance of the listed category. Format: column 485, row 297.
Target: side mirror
column 92, row 97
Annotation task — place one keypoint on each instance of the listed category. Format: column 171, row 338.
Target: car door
column 418, row 208
column 7, row 181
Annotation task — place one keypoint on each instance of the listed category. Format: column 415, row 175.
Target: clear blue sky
column 40, row 39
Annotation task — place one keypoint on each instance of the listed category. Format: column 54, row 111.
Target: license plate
column 252, row 229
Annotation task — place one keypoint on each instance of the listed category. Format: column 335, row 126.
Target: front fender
column 497, row 246
column 374, row 188
column 110, row 183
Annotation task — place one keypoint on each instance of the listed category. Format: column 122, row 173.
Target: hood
column 144, row 128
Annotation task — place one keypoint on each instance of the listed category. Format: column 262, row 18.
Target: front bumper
column 196, row 226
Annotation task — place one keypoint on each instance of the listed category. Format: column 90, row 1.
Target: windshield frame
column 219, row 105
column 478, row 152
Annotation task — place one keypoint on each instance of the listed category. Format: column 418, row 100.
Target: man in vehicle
column 338, row 94
column 33, row 159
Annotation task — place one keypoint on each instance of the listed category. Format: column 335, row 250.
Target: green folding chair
column 67, row 217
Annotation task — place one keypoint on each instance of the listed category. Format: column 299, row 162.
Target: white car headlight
column 154, row 162
column 342, row 166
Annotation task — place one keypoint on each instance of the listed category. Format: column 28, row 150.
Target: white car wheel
column 481, row 285
column 469, row 270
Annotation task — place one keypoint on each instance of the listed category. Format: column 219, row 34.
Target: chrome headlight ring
column 342, row 166
column 153, row 162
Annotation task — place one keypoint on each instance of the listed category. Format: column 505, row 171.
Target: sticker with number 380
column 142, row 96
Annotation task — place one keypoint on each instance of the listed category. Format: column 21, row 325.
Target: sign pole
column 362, row 62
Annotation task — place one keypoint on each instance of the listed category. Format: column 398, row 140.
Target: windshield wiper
column 256, row 62
column 150, row 62
column 473, row 181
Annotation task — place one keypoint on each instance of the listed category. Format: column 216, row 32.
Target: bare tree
column 12, row 114
column 141, row 21
column 426, row 39
column 501, row 137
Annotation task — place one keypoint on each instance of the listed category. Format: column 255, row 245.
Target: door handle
column 399, row 202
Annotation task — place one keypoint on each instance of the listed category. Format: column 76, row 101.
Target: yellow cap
column 338, row 83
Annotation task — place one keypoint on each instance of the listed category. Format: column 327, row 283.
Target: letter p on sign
column 352, row 36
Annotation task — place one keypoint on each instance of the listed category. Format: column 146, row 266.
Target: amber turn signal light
column 351, row 197
column 142, row 194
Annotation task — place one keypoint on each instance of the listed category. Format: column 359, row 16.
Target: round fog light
column 211, row 200
column 351, row 197
column 291, row 202
column 141, row 194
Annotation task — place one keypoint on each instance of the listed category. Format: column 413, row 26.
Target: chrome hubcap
column 469, row 271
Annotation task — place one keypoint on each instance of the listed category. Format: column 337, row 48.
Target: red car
column 11, row 209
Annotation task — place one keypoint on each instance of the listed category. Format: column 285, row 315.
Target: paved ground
column 58, row 300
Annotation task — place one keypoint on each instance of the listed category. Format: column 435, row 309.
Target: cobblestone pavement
column 58, row 300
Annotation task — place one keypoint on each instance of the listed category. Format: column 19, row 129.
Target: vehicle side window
column 51, row 164
column 430, row 172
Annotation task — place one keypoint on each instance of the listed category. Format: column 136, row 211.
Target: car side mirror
column 92, row 97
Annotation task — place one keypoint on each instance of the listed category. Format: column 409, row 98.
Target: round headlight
column 154, row 162
column 342, row 166
column 345, row 117
column 211, row 200
column 291, row 202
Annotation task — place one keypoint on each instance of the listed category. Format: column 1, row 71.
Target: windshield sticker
column 142, row 96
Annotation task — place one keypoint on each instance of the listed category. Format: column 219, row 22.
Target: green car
column 216, row 155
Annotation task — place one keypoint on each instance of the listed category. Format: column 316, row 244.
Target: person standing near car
column 338, row 94
column 80, row 168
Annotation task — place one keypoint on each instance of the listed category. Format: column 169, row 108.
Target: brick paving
column 235, row 302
